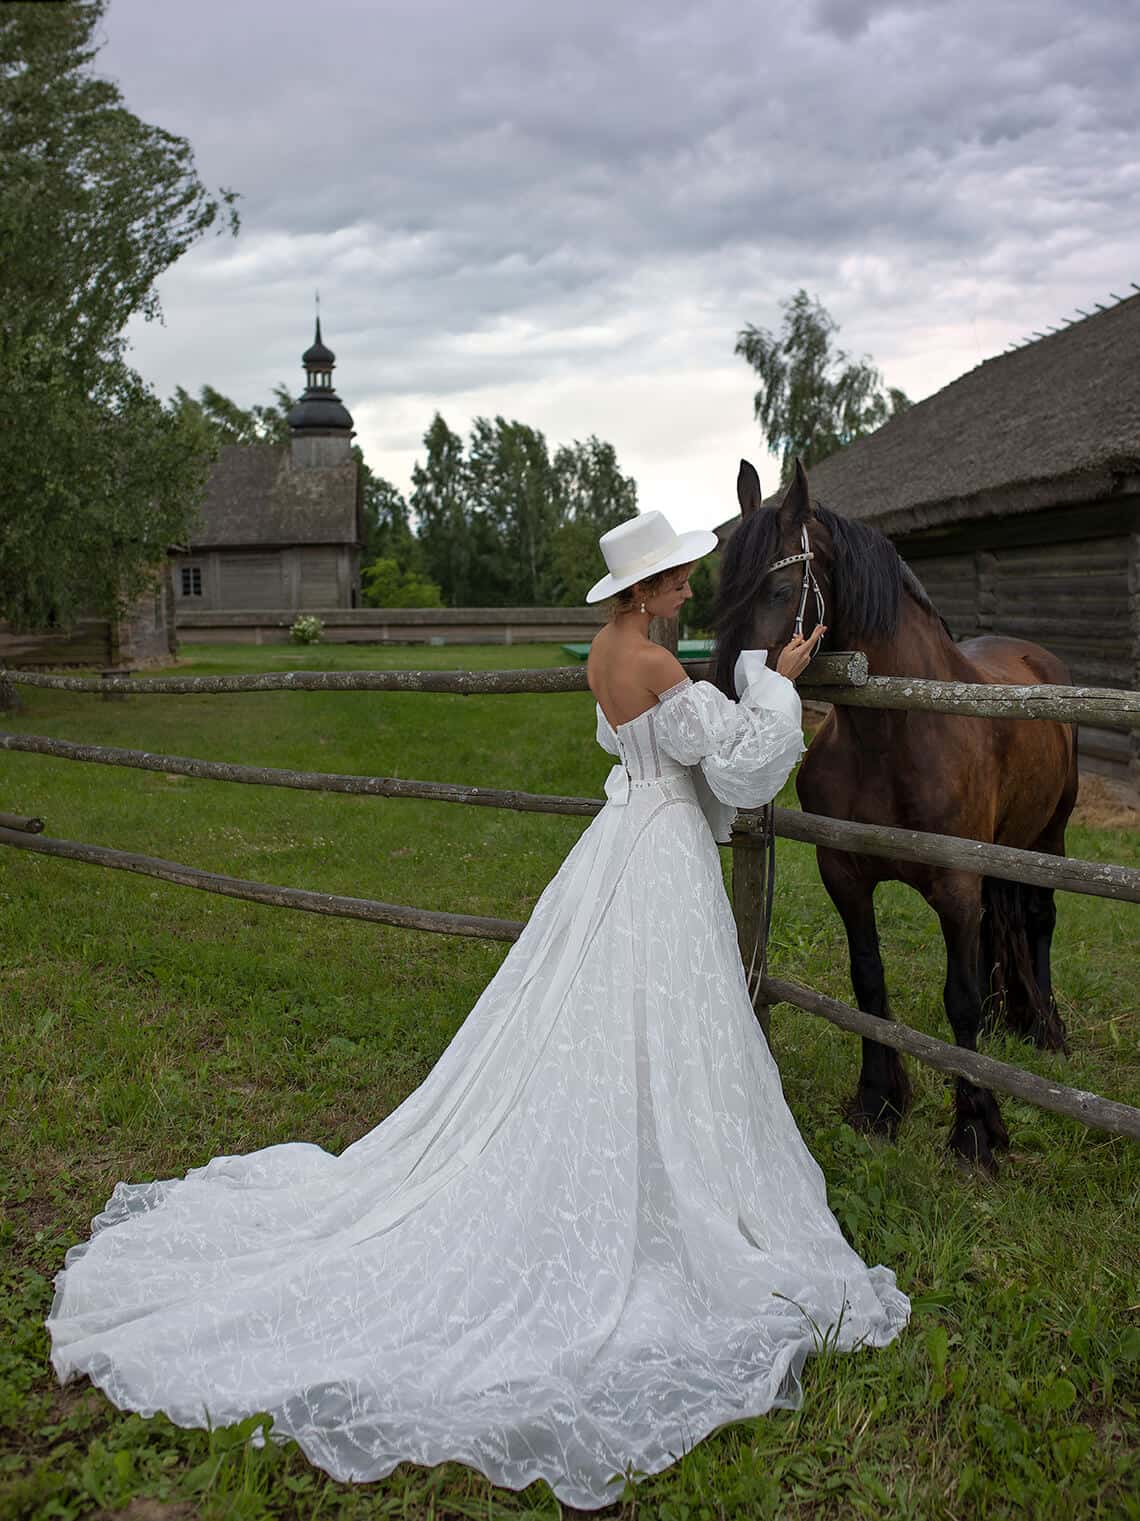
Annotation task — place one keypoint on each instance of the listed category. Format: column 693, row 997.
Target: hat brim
column 689, row 547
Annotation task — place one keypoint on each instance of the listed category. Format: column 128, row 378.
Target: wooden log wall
column 1067, row 580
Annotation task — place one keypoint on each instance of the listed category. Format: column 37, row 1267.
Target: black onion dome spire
column 318, row 354
column 320, row 409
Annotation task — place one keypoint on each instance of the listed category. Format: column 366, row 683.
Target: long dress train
column 591, row 1236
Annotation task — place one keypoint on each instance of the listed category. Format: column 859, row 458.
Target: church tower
column 320, row 426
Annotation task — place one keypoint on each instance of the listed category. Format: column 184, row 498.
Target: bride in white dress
column 593, row 1234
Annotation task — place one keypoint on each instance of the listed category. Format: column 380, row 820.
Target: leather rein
column 757, row 969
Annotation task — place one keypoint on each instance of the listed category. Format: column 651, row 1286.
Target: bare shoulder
column 596, row 657
column 661, row 668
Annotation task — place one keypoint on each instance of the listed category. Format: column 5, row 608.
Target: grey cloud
column 511, row 194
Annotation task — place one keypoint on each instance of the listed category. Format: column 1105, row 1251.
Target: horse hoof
column 972, row 1149
column 1049, row 1034
column 871, row 1118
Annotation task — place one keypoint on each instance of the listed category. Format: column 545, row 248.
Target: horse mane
column 867, row 576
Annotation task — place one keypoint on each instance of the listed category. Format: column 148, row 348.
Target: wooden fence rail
column 332, row 904
column 1089, row 1108
column 838, row 678
column 1096, row 878
column 1083, row 705
column 843, row 668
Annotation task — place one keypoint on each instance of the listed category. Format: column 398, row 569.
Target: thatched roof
column 255, row 495
column 1046, row 425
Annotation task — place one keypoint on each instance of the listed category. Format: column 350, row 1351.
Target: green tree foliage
column 510, row 503
column 387, row 529
column 99, row 476
column 229, row 423
column 697, row 614
column 591, row 496
column 502, row 524
column 439, row 503
column 387, row 585
column 813, row 398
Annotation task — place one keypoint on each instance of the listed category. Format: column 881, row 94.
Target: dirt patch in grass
column 151, row 1510
column 1105, row 803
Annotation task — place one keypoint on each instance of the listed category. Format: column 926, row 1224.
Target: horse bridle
column 809, row 583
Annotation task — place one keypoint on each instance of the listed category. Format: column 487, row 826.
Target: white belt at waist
column 619, row 781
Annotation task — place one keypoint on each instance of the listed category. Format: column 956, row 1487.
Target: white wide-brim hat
column 641, row 547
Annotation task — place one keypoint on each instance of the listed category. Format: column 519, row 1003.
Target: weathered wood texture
column 1074, row 1103
column 1093, row 878
column 846, row 667
column 977, row 700
column 144, row 634
column 262, row 892
column 376, row 625
column 87, row 643
column 1028, row 576
column 305, row 781
column 20, row 822
column 461, row 683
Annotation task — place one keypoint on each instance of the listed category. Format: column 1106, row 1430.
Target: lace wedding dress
column 591, row 1236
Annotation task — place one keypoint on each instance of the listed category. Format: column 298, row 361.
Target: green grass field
column 145, row 1027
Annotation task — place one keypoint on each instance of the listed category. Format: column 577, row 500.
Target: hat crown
column 638, row 542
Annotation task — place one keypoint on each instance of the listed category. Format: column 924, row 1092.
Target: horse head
column 757, row 606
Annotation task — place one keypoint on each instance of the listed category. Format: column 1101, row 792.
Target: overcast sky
column 564, row 213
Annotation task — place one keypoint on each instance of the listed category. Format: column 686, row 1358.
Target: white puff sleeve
column 746, row 749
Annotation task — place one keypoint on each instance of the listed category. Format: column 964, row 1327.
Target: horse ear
column 747, row 488
column 796, row 506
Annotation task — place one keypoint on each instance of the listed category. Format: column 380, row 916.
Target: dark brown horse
column 1010, row 781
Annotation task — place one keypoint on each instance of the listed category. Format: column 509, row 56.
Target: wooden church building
column 1014, row 494
column 280, row 527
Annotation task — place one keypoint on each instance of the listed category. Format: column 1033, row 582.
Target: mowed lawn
column 146, row 1027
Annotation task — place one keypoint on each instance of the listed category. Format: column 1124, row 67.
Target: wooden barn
column 1014, row 494
column 280, row 526
column 144, row 635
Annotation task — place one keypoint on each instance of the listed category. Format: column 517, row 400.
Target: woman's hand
column 796, row 654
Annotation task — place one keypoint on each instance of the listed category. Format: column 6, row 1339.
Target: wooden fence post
column 663, row 631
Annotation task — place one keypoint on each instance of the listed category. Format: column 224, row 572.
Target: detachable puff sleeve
column 746, row 749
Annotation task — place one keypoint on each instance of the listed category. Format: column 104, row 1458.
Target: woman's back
column 626, row 672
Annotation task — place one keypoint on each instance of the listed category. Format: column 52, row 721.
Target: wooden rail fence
column 838, row 678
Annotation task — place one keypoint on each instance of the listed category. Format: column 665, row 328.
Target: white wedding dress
column 591, row 1236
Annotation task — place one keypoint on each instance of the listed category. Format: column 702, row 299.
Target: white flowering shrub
column 307, row 629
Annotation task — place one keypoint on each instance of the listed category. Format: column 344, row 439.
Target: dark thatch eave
column 256, row 497
column 1054, row 423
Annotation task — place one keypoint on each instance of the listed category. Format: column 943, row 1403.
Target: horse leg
column 883, row 1094
column 1041, row 921
column 956, row 897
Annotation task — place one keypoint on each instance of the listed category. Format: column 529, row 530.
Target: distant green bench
column 687, row 649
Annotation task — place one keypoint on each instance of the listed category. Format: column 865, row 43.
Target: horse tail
column 1011, row 993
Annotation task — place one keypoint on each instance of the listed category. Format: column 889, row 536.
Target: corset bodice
column 637, row 747
column 639, row 752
